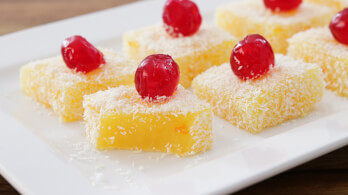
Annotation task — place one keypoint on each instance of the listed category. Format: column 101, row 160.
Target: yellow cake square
column 119, row 118
column 319, row 46
column 194, row 54
column 287, row 91
column 249, row 17
column 338, row 5
column 50, row 82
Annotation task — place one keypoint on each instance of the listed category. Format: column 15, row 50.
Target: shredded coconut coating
column 251, row 16
column 155, row 38
column 338, row 5
column 287, row 91
column 126, row 99
column 319, row 46
column 118, row 115
column 52, row 83
column 194, row 54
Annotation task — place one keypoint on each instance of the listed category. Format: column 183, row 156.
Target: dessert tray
column 40, row 155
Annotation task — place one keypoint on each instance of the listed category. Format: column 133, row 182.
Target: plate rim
column 12, row 171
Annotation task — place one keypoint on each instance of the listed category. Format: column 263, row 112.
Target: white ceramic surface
column 40, row 155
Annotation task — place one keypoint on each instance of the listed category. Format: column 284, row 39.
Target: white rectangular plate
column 40, row 155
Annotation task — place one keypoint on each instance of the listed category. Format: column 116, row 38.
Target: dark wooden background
column 325, row 175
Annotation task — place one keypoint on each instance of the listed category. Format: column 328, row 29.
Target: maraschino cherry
column 80, row 55
column 157, row 76
column 282, row 5
column 181, row 17
column 339, row 26
column 252, row 57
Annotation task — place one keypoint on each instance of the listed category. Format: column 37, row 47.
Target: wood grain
column 20, row 14
column 325, row 175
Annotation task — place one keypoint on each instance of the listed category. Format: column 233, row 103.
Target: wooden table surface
column 325, row 175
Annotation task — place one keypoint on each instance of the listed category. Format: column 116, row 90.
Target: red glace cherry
column 339, row 26
column 157, row 76
column 181, row 17
column 80, row 55
column 252, row 57
column 282, row 5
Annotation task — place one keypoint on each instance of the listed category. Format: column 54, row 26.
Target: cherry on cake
column 61, row 82
column 327, row 47
column 154, row 115
column 193, row 46
column 258, row 89
column 276, row 20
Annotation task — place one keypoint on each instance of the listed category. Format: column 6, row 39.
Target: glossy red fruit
column 157, row 76
column 282, row 5
column 181, row 17
column 252, row 57
column 339, row 26
column 80, row 55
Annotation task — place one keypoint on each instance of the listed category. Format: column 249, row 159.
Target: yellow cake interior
column 119, row 118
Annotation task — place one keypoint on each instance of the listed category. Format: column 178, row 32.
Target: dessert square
column 50, row 82
column 287, row 91
column 194, row 54
column 319, row 46
column 119, row 118
column 338, row 5
column 248, row 17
